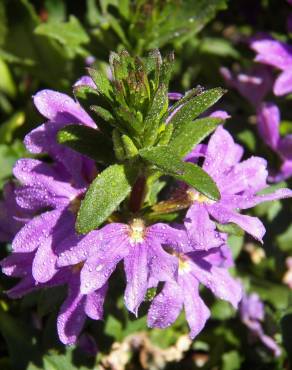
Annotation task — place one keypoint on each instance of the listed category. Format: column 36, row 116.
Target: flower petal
column 169, row 236
column 197, row 313
column 100, row 265
column 247, row 176
column 94, row 303
column 221, row 143
column 218, row 280
column 283, row 83
column 252, row 225
column 39, row 174
column 273, row 52
column 35, row 231
column 60, row 107
column 165, row 307
column 72, row 316
column 201, row 230
column 136, row 270
column 285, row 147
column 268, row 117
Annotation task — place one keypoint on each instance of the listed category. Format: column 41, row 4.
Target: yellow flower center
column 137, row 230
column 195, row 196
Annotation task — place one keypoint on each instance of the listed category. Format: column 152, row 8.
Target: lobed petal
column 166, row 306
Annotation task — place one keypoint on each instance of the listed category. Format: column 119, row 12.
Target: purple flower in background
column 268, row 117
column 208, row 267
column 252, row 314
column 238, row 182
column 277, row 54
column 140, row 248
column 253, row 85
column 75, row 308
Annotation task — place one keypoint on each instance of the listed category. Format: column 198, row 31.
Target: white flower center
column 137, row 230
column 195, row 196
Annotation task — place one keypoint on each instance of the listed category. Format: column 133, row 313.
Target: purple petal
column 219, row 281
column 268, row 117
column 247, row 176
column 165, row 307
column 17, row 264
column 76, row 248
column 169, row 236
column 174, row 96
column 35, row 231
column 72, row 316
column 220, row 114
column 25, row 286
column 136, row 270
column 100, row 265
column 59, row 107
column 245, row 202
column 273, row 52
column 36, row 173
column 197, row 313
column 222, row 153
column 85, row 81
column 285, row 147
column 44, row 263
column 94, row 303
column 162, row 265
column 201, row 230
column 252, row 225
column 283, row 83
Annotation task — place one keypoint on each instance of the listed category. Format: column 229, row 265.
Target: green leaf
column 231, row 361
column 179, row 21
column 129, row 147
column 7, row 84
column 7, row 128
column 113, row 328
column 196, row 106
column 102, row 83
column 71, row 35
column 190, row 133
column 104, row 195
column 86, row 140
column 168, row 162
column 152, row 121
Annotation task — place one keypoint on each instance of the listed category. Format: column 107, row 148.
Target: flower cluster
column 48, row 196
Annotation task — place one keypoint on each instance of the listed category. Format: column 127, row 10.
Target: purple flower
column 60, row 110
column 206, row 267
column 277, row 54
column 139, row 246
column 75, row 308
column 268, row 117
column 253, row 85
column 252, row 314
column 50, row 191
column 238, row 182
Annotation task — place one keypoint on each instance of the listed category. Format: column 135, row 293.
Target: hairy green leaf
column 103, row 197
column 196, row 106
column 190, row 133
column 168, row 162
column 85, row 140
